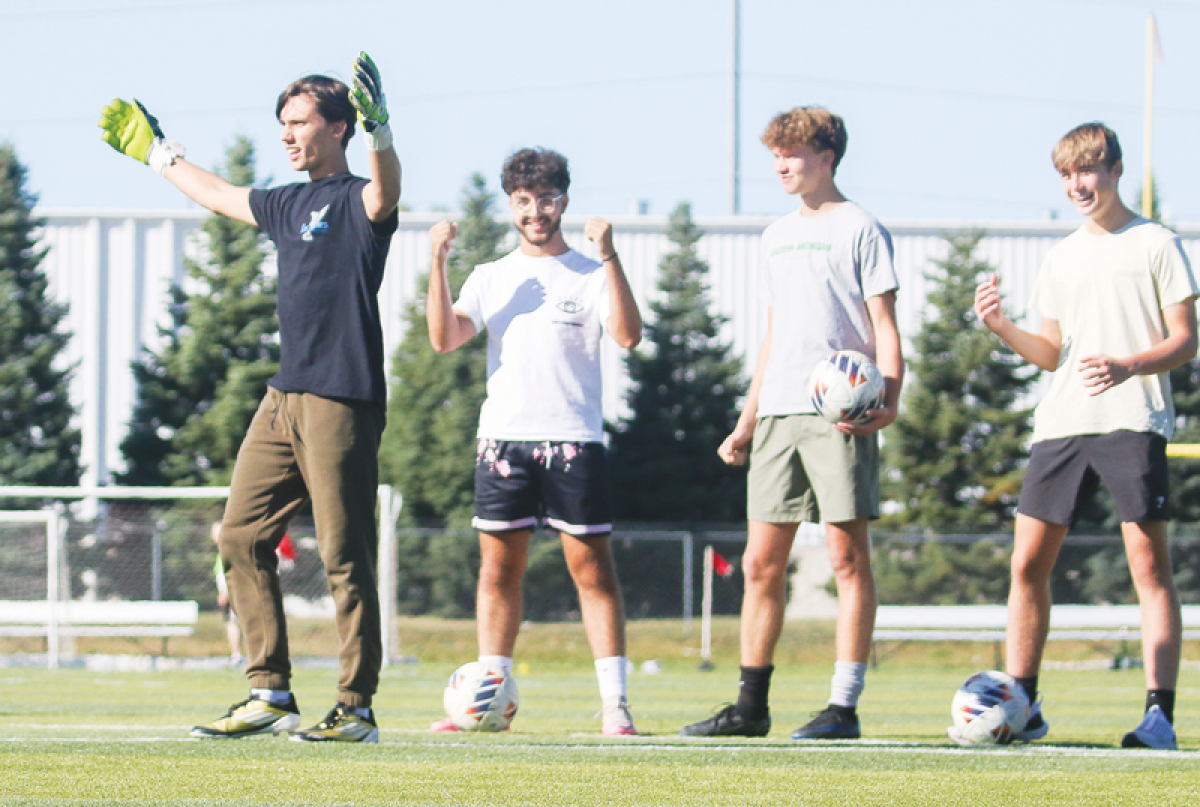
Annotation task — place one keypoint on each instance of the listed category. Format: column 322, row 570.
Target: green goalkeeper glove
column 131, row 130
column 366, row 96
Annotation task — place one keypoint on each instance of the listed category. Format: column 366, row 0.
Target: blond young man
column 1117, row 302
column 315, row 437
column 545, row 308
column 829, row 284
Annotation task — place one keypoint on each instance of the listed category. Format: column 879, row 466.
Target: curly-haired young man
column 545, row 308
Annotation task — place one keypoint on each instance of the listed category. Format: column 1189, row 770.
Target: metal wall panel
column 114, row 268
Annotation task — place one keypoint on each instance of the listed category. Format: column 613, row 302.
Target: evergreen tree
column 1155, row 206
column 40, row 445
column 428, row 450
column 1185, row 473
column 955, row 455
column 198, row 393
column 683, row 401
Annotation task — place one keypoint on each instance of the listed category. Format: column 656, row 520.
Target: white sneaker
column 1036, row 726
column 1155, row 731
column 615, row 719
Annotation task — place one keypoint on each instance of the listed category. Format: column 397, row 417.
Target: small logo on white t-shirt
column 569, row 305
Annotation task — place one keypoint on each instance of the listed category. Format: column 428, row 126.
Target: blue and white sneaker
column 1155, row 731
column 1036, row 726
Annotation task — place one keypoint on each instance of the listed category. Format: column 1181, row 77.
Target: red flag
column 286, row 550
column 720, row 565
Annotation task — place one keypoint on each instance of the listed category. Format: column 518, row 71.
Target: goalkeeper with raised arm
column 315, row 437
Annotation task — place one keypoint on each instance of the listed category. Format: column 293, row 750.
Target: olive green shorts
column 803, row 469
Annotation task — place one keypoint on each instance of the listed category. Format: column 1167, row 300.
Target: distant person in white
column 545, row 308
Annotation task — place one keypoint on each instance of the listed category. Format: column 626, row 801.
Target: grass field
column 75, row 736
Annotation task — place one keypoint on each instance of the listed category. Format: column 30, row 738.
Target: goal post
column 55, row 533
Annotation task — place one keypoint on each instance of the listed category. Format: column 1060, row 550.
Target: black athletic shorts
column 1064, row 474
column 516, row 482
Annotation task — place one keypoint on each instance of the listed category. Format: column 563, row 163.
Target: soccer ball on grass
column 481, row 697
column 989, row 709
column 845, row 386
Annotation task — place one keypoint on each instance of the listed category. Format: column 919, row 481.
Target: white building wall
column 114, row 268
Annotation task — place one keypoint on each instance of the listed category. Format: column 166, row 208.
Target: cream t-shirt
column 1107, row 293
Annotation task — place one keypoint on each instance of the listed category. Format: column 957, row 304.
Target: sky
column 952, row 108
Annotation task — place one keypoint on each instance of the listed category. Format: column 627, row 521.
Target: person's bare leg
column 765, row 564
column 591, row 564
column 1035, row 548
column 849, row 547
column 1149, row 553
column 590, row 561
column 498, row 603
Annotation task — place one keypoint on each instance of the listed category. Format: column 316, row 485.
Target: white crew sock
column 273, row 696
column 849, row 678
column 610, row 672
column 503, row 662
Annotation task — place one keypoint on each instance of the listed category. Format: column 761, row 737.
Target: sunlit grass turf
column 78, row 737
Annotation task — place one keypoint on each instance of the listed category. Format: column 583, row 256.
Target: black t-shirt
column 331, row 259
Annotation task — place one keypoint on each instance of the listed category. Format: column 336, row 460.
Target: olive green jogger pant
column 299, row 448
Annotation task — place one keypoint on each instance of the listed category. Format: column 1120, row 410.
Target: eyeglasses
column 545, row 204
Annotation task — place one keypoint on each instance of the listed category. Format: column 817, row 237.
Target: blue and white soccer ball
column 480, row 697
column 845, row 386
column 989, row 709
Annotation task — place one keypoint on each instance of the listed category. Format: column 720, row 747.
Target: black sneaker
column 829, row 724
column 728, row 722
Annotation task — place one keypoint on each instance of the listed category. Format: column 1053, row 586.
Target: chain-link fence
column 974, row 569
column 157, row 546
column 146, row 550
column 659, row 570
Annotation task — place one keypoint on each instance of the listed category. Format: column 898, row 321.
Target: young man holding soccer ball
column 315, row 437
column 545, row 308
column 1117, row 304
column 828, row 284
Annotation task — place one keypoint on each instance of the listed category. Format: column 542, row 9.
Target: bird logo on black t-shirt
column 315, row 224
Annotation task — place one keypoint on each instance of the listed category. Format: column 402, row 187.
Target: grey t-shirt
column 819, row 272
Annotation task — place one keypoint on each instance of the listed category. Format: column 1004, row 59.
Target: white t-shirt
column 819, row 272
column 545, row 320
column 1107, row 293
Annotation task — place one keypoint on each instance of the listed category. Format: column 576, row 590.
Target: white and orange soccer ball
column 845, row 386
column 989, row 709
column 480, row 697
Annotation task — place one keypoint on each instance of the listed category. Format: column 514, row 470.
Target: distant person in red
column 286, row 552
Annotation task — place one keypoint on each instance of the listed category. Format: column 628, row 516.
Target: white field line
column 658, row 744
